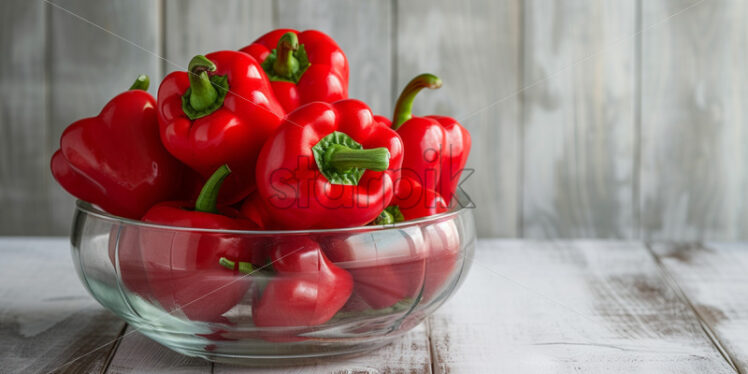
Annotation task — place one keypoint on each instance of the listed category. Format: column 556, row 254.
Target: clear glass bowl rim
column 92, row 210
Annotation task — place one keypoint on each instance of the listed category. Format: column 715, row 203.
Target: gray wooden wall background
column 590, row 118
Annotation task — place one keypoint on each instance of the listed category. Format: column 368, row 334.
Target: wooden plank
column 89, row 66
column 48, row 323
column 409, row 354
column 24, row 167
column 474, row 46
column 569, row 307
column 363, row 29
column 714, row 278
column 197, row 27
column 694, row 101
column 138, row 354
column 579, row 116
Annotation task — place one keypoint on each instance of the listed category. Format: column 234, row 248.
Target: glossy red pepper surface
column 184, row 268
column 454, row 156
column 443, row 241
column 436, row 147
column 116, row 160
column 215, row 130
column 320, row 75
column 346, row 191
column 74, row 182
column 442, row 238
column 307, row 289
column 255, row 209
column 412, row 199
column 386, row 268
column 415, row 201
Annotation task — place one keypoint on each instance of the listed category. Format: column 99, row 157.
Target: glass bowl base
column 310, row 352
column 341, row 353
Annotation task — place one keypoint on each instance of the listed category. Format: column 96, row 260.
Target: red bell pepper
column 307, row 290
column 220, row 112
column 386, row 268
column 386, row 273
column 73, row 181
column 328, row 166
column 423, row 137
column 184, row 268
column 436, row 147
column 434, row 262
column 255, row 209
column 457, row 144
column 443, row 241
column 411, row 201
column 302, row 66
column 116, row 160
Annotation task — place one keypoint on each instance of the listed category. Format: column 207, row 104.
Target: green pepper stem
column 389, row 215
column 141, row 83
column 244, row 267
column 343, row 158
column 384, row 218
column 206, row 201
column 203, row 93
column 286, row 64
column 404, row 105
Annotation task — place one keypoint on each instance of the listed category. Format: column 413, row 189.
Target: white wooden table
column 526, row 307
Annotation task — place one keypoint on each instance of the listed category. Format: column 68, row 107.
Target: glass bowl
column 331, row 293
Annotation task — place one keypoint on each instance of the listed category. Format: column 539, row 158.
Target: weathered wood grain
column 566, row 164
column 197, row 27
column 693, row 120
column 89, row 65
column 363, row 29
column 48, row 323
column 138, row 354
column 714, row 278
column 527, row 306
column 474, row 47
column 410, row 354
column 569, row 307
column 24, row 171
column 579, row 119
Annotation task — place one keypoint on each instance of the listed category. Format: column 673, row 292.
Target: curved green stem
column 343, row 158
column 286, row 64
column 288, row 61
column 206, row 92
column 404, row 105
column 206, row 201
column 141, row 83
column 203, row 93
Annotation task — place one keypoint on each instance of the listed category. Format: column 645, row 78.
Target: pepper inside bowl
column 271, row 297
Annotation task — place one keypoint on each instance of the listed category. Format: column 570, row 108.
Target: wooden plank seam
column 710, row 333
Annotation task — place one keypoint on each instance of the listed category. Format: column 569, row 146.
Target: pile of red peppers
column 266, row 138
